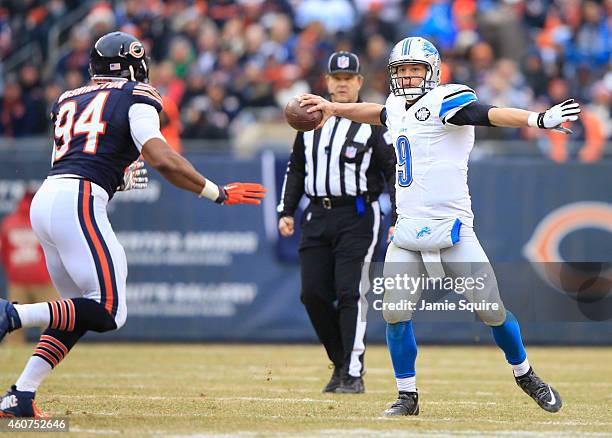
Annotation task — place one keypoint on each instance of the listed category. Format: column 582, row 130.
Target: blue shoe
column 9, row 318
column 20, row 404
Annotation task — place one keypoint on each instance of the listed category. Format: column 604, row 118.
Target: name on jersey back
column 90, row 88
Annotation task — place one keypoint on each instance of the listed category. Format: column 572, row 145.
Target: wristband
column 210, row 191
column 532, row 121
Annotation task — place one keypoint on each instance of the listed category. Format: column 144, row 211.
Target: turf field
column 263, row 390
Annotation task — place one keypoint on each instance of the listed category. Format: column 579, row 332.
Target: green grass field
column 263, row 390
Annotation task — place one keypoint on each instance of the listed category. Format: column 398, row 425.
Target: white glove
column 134, row 177
column 553, row 117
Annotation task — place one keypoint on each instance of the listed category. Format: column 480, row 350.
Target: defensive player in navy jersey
column 99, row 130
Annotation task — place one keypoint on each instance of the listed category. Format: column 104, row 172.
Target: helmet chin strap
column 413, row 93
column 131, row 72
column 144, row 66
column 412, row 97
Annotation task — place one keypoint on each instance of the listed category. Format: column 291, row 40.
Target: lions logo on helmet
column 410, row 51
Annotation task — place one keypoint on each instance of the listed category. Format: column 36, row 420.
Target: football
column 299, row 119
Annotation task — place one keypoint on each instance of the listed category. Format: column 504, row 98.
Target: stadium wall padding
column 203, row 272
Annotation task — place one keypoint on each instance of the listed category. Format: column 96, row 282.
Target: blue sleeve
column 453, row 102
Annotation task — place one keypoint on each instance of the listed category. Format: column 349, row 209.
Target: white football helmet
column 409, row 51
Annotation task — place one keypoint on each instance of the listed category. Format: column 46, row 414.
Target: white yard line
column 448, row 420
column 264, row 399
column 96, row 431
column 203, row 398
column 291, row 400
column 392, row 434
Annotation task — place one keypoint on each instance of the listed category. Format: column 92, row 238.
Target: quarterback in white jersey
column 433, row 132
column 434, row 154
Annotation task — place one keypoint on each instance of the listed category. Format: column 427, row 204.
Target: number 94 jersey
column 432, row 154
column 92, row 130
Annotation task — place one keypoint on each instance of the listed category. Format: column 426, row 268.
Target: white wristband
column 210, row 191
column 533, row 120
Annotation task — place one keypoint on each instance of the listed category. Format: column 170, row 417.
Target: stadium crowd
column 221, row 64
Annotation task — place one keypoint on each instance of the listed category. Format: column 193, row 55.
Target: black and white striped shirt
column 343, row 158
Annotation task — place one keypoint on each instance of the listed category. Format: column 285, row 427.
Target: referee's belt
column 330, row 202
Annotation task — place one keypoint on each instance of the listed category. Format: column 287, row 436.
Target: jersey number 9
column 404, row 162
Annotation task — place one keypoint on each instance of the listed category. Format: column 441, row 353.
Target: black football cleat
column 9, row 318
column 543, row 394
column 335, row 380
column 351, row 385
column 407, row 403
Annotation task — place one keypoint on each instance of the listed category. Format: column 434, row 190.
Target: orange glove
column 241, row 193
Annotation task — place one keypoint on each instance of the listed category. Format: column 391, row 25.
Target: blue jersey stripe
column 459, row 101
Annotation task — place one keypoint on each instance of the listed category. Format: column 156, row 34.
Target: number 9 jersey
column 432, row 154
column 93, row 135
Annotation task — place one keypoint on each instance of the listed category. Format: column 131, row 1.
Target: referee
column 342, row 168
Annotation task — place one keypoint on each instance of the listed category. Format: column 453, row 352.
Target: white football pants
column 466, row 259
column 83, row 255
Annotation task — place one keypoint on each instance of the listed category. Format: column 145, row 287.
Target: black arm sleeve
column 383, row 155
column 383, row 116
column 475, row 114
column 293, row 185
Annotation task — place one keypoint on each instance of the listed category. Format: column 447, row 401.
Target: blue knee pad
column 508, row 337
column 402, row 348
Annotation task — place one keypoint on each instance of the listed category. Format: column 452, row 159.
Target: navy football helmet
column 118, row 54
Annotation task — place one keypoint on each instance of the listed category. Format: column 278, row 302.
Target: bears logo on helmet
column 136, row 49
column 118, row 54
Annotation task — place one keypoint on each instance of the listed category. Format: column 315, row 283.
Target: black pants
column 333, row 246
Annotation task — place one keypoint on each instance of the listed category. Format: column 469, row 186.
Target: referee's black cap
column 343, row 62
